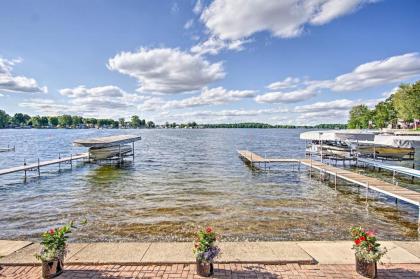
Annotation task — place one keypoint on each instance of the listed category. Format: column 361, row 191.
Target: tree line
column 269, row 126
column 403, row 105
column 20, row 120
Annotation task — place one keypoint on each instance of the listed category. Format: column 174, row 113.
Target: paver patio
column 245, row 271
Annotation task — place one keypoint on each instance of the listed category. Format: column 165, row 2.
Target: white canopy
column 398, row 141
column 339, row 135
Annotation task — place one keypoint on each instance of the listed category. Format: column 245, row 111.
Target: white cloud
column 103, row 101
column 391, row 70
column 389, row 93
column 236, row 19
column 287, row 83
column 286, row 97
column 189, row 24
column 166, row 70
column 234, row 112
column 198, row 7
column 342, row 104
column 213, row 96
column 214, row 45
column 103, row 91
column 17, row 84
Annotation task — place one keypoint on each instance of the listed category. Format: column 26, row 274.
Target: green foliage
column 365, row 245
column 54, row 243
column 76, row 120
column 53, row 121
column 65, row 120
column 384, row 113
column 359, row 117
column 407, row 101
column 4, row 119
column 20, row 119
column 135, row 121
column 205, row 249
column 36, row 121
column 121, row 122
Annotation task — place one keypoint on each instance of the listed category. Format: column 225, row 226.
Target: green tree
column 135, row 121
column 76, row 120
column 121, row 122
column 65, row 120
column 384, row 113
column 36, row 121
column 359, row 117
column 4, row 119
column 20, row 119
column 44, row 121
column 53, row 120
column 407, row 101
column 150, row 124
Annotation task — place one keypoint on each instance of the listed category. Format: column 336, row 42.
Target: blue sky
column 282, row 62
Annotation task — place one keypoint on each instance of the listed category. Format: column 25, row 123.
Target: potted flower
column 367, row 251
column 54, row 248
column 205, row 251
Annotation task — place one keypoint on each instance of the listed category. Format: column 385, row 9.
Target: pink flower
column 51, row 231
column 209, row 230
column 370, row 233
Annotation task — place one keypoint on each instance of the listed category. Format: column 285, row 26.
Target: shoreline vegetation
column 25, row 121
column 400, row 110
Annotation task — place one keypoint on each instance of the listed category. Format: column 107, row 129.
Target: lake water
column 181, row 179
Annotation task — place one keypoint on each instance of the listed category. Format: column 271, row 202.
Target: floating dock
column 397, row 192
column 37, row 166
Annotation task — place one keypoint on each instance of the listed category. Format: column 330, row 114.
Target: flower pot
column 366, row 269
column 51, row 269
column 204, row 269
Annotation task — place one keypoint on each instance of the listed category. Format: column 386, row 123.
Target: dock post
column 418, row 223
column 24, row 163
column 59, row 162
column 393, row 177
column 310, row 168
column 367, row 190
column 133, row 151
column 335, row 180
column 39, row 171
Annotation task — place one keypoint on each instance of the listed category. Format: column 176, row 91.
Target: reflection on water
column 182, row 179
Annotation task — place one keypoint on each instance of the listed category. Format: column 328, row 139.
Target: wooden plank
column 43, row 164
column 386, row 188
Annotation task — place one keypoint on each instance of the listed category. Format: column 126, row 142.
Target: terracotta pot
column 204, row 269
column 366, row 269
column 51, row 269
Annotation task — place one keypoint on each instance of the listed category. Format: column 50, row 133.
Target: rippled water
column 182, row 179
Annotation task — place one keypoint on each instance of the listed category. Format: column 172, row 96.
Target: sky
column 220, row 61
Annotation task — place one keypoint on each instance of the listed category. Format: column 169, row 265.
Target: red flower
column 51, row 231
column 357, row 241
column 209, row 230
column 362, row 238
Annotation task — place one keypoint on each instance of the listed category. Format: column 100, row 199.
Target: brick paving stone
column 234, row 271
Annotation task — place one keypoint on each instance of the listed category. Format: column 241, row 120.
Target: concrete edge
column 69, row 262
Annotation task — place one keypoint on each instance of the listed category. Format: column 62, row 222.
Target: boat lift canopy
column 107, row 141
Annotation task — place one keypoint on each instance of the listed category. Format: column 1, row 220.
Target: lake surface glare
column 181, row 179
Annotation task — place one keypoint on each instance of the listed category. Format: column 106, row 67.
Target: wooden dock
column 37, row 166
column 370, row 183
column 254, row 158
